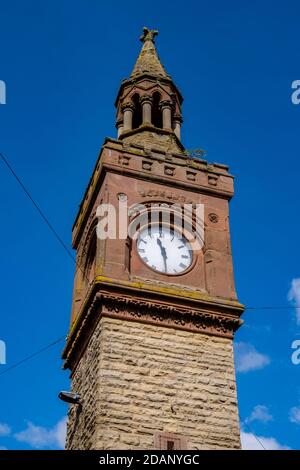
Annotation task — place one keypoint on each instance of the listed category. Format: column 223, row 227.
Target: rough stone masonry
column 137, row 380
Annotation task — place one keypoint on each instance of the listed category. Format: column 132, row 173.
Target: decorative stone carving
column 191, row 175
column 164, row 194
column 207, row 320
column 213, row 180
column 127, row 105
column 122, row 197
column 147, row 165
column 168, row 315
column 213, row 218
column 124, row 159
column 169, row 170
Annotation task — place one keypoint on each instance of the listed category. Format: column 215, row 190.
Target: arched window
column 90, row 264
column 137, row 113
column 156, row 111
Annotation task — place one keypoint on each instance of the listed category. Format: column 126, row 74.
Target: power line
column 279, row 307
column 60, row 241
column 42, row 215
column 245, row 423
column 46, row 220
column 31, row 356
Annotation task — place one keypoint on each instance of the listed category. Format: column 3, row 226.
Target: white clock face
column 164, row 250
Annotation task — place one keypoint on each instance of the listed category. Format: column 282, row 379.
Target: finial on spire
column 148, row 60
column 148, row 34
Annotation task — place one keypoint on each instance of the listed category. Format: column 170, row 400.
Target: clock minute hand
column 163, row 253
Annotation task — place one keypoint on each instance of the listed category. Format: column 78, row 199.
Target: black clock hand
column 165, row 260
column 163, row 253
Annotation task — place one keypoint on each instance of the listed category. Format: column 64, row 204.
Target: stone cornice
column 152, row 128
column 127, row 82
column 206, row 315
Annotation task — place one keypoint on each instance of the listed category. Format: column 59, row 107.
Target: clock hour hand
column 163, row 253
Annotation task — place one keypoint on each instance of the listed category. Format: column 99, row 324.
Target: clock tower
column 154, row 304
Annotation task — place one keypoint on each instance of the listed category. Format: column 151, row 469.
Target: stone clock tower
column 150, row 341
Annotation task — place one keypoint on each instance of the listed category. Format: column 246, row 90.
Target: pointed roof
column 148, row 60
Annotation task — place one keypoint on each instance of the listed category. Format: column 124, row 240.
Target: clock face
column 164, row 249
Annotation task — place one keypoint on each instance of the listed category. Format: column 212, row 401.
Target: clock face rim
column 181, row 273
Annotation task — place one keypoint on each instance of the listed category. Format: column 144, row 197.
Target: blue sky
column 62, row 63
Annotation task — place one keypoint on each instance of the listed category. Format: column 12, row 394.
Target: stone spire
column 149, row 103
column 148, row 60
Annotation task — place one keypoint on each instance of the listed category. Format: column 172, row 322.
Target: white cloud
column 294, row 296
column 39, row 437
column 248, row 358
column 4, row 429
column 252, row 442
column 260, row 413
column 61, row 431
column 295, row 415
column 3, row 448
